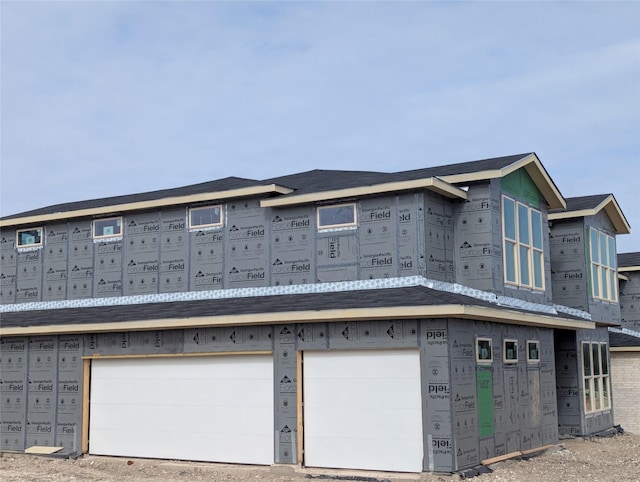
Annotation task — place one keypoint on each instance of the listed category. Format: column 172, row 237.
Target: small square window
column 484, row 353
column 206, row 217
column 27, row 238
column 510, row 351
column 533, row 351
column 338, row 216
column 108, row 227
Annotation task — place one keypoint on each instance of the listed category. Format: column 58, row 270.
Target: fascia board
column 431, row 183
column 628, row 268
column 609, row 205
column 534, row 168
column 134, row 206
column 622, row 277
column 624, row 348
column 355, row 314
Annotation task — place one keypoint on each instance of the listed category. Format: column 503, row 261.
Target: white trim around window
column 523, row 247
column 484, row 350
column 336, row 216
column 107, row 227
column 533, row 351
column 604, row 282
column 595, row 377
column 509, row 351
column 206, row 217
column 29, row 238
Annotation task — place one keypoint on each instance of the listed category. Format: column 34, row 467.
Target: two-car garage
column 361, row 408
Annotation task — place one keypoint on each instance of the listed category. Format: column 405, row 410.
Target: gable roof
column 309, row 187
column 629, row 261
column 590, row 206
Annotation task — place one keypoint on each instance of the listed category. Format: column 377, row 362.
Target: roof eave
column 534, row 168
column 609, row 205
column 155, row 203
column 472, row 312
column 431, row 183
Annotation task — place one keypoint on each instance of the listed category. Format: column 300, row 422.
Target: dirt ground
column 615, row 458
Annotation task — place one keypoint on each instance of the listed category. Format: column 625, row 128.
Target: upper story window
column 336, row 216
column 29, row 238
column 206, row 217
column 107, row 227
column 604, row 284
column 522, row 242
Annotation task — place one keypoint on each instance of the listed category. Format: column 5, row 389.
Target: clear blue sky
column 109, row 98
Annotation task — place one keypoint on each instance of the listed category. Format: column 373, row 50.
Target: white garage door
column 217, row 408
column 362, row 410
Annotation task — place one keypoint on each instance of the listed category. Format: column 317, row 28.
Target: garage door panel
column 221, row 409
column 367, row 416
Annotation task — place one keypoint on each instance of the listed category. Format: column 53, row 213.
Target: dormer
column 583, row 255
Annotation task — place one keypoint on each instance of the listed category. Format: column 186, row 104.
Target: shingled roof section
column 628, row 259
column 305, row 182
column 617, row 339
column 372, row 298
column 585, row 202
column 225, row 184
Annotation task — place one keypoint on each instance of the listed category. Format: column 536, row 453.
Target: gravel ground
column 598, row 459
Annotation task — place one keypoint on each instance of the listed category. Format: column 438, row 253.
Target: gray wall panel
column 13, row 374
column 8, row 266
column 285, row 379
column 630, row 301
column 29, row 278
column 42, row 391
column 407, row 233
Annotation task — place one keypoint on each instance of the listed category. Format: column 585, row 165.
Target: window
column 596, row 376
column 206, row 217
column 28, row 238
column 484, row 353
column 533, row 351
column 338, row 216
column 510, row 351
column 108, row 227
column 604, row 284
column 523, row 248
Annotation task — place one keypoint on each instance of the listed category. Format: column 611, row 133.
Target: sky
column 101, row 99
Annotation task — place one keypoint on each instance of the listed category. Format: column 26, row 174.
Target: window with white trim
column 29, row 238
column 336, row 216
column 510, row 351
column 604, row 278
column 484, row 352
column 206, row 217
column 533, row 351
column 522, row 245
column 107, row 227
column 595, row 363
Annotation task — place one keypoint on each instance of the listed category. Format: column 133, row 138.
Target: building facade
column 625, row 345
column 407, row 321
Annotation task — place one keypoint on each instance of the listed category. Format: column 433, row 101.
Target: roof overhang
column 534, row 168
column 156, row 203
column 622, row 277
column 431, row 183
column 628, row 268
column 625, row 348
column 469, row 312
column 609, row 205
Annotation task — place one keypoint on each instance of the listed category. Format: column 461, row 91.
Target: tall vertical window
column 604, row 285
column 595, row 363
column 522, row 242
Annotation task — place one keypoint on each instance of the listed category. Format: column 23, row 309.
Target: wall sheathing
column 8, row 266
column 568, row 263
column 477, row 246
column 630, row 301
column 256, row 247
column 470, row 412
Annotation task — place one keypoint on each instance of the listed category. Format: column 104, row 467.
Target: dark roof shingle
column 629, row 259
